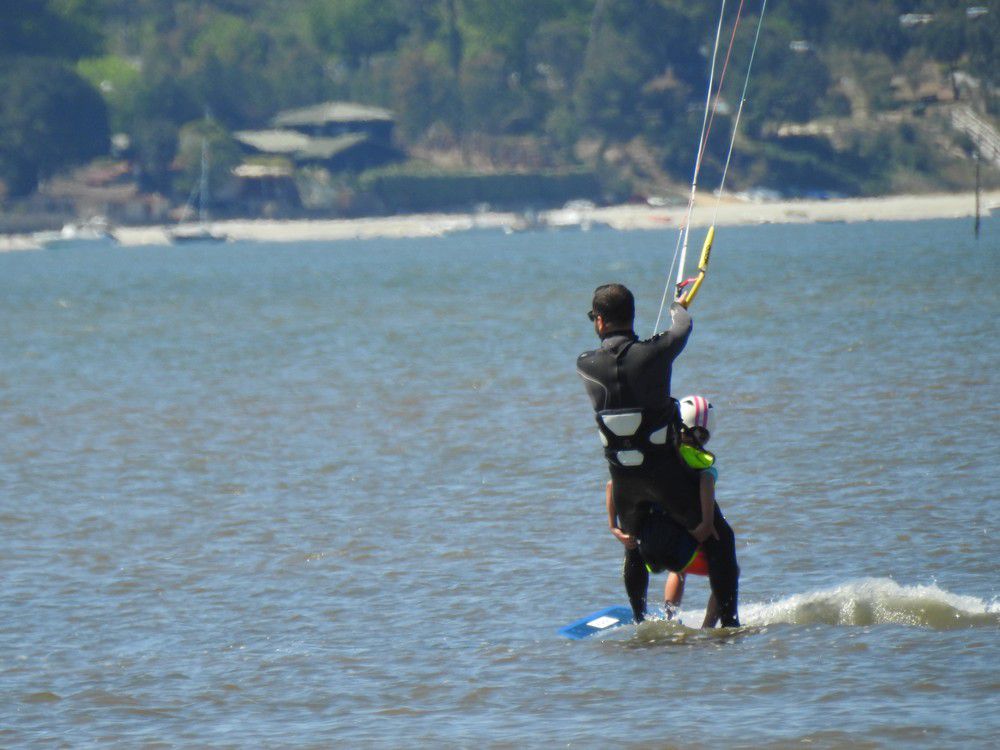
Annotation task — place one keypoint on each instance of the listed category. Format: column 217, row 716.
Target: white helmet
column 697, row 411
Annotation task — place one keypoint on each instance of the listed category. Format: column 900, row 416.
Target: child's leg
column 673, row 592
column 673, row 589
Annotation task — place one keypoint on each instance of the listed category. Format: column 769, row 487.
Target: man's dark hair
column 614, row 303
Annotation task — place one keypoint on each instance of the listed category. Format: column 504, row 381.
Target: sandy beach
column 729, row 212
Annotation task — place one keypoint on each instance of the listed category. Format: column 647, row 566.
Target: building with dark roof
column 332, row 119
column 340, row 136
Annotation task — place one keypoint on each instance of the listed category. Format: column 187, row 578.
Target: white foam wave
column 876, row 601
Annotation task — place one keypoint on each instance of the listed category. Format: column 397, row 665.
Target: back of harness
column 631, row 434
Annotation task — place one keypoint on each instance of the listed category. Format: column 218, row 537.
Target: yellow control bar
column 706, row 251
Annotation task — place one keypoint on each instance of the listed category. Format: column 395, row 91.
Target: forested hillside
column 846, row 97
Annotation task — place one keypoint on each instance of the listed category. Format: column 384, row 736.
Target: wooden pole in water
column 975, row 227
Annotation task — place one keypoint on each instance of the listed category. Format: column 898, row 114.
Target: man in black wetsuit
column 655, row 493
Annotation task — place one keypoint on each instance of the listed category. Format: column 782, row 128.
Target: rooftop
column 298, row 146
column 273, row 141
column 327, row 112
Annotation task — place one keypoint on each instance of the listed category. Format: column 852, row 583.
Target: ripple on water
column 315, row 495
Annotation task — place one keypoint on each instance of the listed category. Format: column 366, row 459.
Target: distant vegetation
column 844, row 95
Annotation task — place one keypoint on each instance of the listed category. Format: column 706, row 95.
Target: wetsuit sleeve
column 675, row 337
column 596, row 390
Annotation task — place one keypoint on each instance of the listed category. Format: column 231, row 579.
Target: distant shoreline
column 731, row 212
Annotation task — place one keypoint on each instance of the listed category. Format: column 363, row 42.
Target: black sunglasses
column 591, row 315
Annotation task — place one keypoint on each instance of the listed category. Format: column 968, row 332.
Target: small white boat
column 94, row 232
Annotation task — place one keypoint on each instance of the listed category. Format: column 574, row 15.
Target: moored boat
column 95, row 232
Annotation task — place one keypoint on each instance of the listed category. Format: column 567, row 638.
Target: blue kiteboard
column 597, row 622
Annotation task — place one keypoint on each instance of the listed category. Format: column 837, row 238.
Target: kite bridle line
column 688, row 297
column 686, row 290
column 682, row 234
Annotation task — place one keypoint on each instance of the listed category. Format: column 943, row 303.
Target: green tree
column 154, row 143
column 492, row 97
column 425, row 91
column 292, row 71
column 786, row 86
column 871, row 26
column 641, row 61
column 555, row 53
column 944, row 40
column 152, row 117
column 609, row 84
column 807, row 18
column 117, row 79
column 669, row 35
column 506, row 28
column 984, row 57
column 63, row 29
column 356, row 30
column 50, row 119
column 226, row 62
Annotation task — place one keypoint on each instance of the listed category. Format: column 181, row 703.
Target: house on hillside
column 331, row 119
column 102, row 188
column 338, row 136
column 267, row 190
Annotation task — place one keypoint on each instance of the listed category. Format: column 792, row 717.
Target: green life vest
column 696, row 458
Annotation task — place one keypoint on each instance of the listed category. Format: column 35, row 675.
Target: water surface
column 296, row 495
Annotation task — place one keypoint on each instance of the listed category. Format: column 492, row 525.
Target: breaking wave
column 872, row 601
column 876, row 601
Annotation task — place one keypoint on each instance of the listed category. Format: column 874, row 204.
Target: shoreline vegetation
column 731, row 212
column 138, row 112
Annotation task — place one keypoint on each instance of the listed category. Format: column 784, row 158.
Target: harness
column 629, row 435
